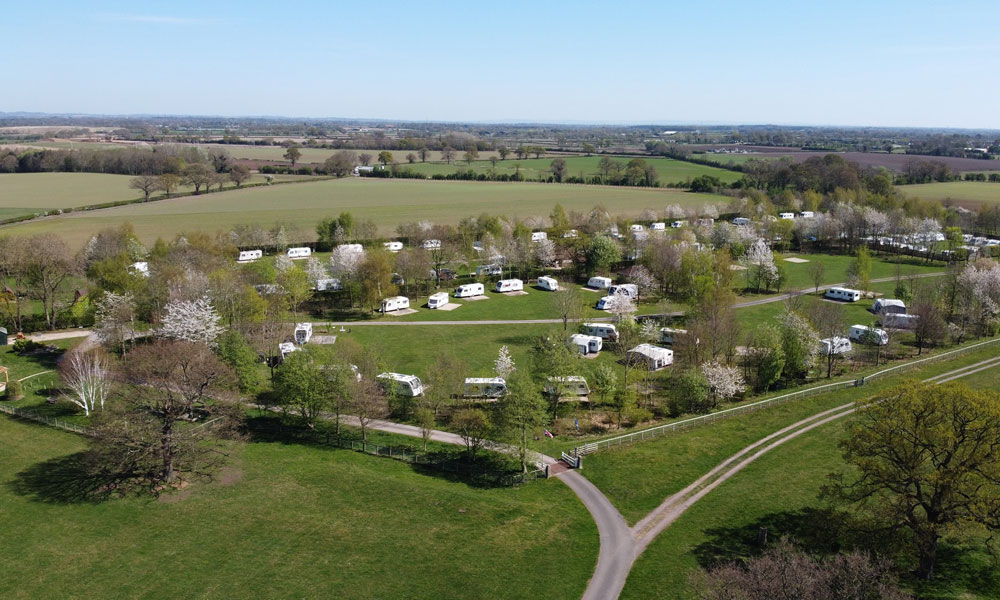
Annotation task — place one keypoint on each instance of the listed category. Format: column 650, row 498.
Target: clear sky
column 883, row 63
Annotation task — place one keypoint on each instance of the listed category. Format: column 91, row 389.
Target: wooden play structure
column 3, row 374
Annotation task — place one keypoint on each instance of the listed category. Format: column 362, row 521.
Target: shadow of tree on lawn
column 63, row 480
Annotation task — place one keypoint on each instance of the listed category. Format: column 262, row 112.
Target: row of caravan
column 487, row 388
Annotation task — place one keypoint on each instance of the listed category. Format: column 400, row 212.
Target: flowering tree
column 115, row 319
column 644, row 280
column 283, row 263
column 622, row 306
column 345, row 262
column 979, row 298
column 723, row 382
column 799, row 344
column 545, row 252
column 85, row 375
column 191, row 321
column 315, row 270
column 759, row 262
column 504, row 364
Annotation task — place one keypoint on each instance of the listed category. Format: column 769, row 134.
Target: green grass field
column 387, row 202
column 286, row 520
column 970, row 194
column 668, row 169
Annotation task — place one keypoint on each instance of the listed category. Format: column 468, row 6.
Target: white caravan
column 431, row 244
column 393, row 246
column 548, row 283
column 844, row 294
column 677, row 224
column 140, row 268
column 807, row 214
column 898, row 321
column 570, row 233
column 303, row 333
column 658, row 226
column 509, row 285
column 599, row 283
column 401, row 385
column 605, row 303
column 834, row 345
column 328, row 285
column 669, row 335
column 625, row 289
column 868, row 335
column 636, row 227
column 653, row 357
column 468, row 290
column 286, row 348
column 537, row 236
column 437, row 300
column 606, row 331
column 741, row 221
column 564, row 387
column 249, row 256
column 395, row 303
column 489, row 270
column 787, row 216
column 585, row 344
column 887, row 306
column 297, row 253
column 485, row 387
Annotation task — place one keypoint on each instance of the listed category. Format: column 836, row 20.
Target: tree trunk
column 168, row 451
column 928, row 556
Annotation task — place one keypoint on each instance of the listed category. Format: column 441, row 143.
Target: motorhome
column 548, row 283
column 572, row 386
column 652, row 357
column 401, row 385
column 741, row 221
column 298, row 253
column 431, row 244
column 658, row 226
column 437, row 300
column 469, row 290
column 585, row 344
column 889, row 306
column 844, row 294
column 899, row 321
column 869, row 335
column 485, row 387
column 625, row 289
column 787, row 216
column 489, row 270
column 509, row 285
column 669, row 335
column 393, row 246
column 395, row 303
column 834, row 345
column 605, row 331
column 599, row 283
column 537, row 236
column 328, row 285
column 303, row 333
column 249, row 256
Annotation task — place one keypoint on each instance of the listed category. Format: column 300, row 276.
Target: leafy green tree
column 293, row 154
column 862, row 268
column 602, row 253
column 589, row 149
column 295, row 282
column 304, row 385
column 239, row 174
column 605, row 381
column 558, row 218
column 342, row 163
column 799, row 344
column 764, row 360
column 236, row 351
column 504, row 152
column 385, row 157
column 375, row 276
column 689, row 393
column 424, row 418
column 445, row 382
column 559, row 169
column 471, row 154
column 927, row 462
column 520, row 412
column 473, row 425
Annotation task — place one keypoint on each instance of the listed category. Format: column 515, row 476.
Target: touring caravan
column 485, row 387
column 844, row 294
column 401, row 385
column 572, row 386
column 787, row 216
column 636, row 227
column 431, row 244
column 297, row 253
column 898, row 321
column 286, row 348
column 328, row 285
column 658, row 226
column 249, row 256
column 570, row 233
column 653, row 357
column 303, row 333
column 625, row 289
column 599, row 283
column 889, row 306
column 437, row 300
column 807, row 214
column 677, row 224
column 489, row 270
column 606, row 331
column 509, row 285
column 669, row 335
column 869, row 335
column 548, row 283
column 585, row 344
column 605, row 303
column 741, row 221
column 393, row 246
column 537, row 236
column 834, row 345
column 395, row 303
column 468, row 290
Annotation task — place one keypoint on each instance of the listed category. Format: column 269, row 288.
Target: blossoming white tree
column 283, row 263
column 622, row 306
column 545, row 252
column 724, row 382
column 115, row 319
column 315, row 270
column 759, row 262
column 345, row 262
column 192, row 321
column 504, row 364
column 85, row 375
column 644, row 280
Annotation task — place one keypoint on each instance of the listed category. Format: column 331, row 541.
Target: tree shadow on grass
column 63, row 480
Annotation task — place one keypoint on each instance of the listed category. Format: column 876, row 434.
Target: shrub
column 24, row 345
column 14, row 390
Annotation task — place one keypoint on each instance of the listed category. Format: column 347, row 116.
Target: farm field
column 970, row 194
column 367, row 527
column 668, row 169
column 895, row 161
column 387, row 203
column 778, row 491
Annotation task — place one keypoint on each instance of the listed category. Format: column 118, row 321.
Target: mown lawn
column 285, row 520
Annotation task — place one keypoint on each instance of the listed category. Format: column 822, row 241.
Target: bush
column 14, row 390
column 24, row 345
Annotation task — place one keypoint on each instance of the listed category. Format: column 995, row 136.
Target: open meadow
column 387, row 202
column 969, row 194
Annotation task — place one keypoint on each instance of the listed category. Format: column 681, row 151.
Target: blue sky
column 889, row 63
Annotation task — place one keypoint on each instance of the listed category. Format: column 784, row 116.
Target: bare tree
column 569, row 304
column 239, row 174
column 115, row 320
column 85, row 375
column 14, row 258
column 365, row 159
column 147, row 184
column 817, row 271
column 448, row 153
column 197, row 176
column 473, row 425
column 49, row 265
column 368, row 404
